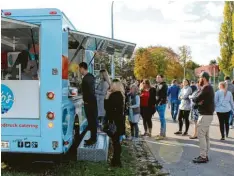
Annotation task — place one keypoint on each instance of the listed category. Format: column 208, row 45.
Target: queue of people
column 107, row 106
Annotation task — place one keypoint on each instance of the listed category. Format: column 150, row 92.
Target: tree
column 184, row 56
column 191, row 66
column 157, row 60
column 213, row 62
column 167, row 62
column 126, row 68
column 226, row 39
column 144, row 65
column 174, row 70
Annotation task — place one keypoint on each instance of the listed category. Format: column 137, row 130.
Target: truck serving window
column 86, row 47
column 19, row 50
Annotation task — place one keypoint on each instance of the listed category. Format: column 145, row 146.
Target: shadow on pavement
column 177, row 159
column 187, row 142
column 225, row 142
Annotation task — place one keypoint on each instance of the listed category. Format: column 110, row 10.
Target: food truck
column 41, row 105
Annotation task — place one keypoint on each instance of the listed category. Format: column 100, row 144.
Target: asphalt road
column 175, row 153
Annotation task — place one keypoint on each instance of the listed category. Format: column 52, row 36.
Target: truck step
column 97, row 152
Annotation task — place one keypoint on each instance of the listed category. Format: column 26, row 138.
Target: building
column 211, row 69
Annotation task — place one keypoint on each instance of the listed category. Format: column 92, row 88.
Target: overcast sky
column 144, row 22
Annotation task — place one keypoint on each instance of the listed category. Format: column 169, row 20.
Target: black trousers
column 224, row 122
column 91, row 114
column 117, row 149
column 146, row 114
column 184, row 115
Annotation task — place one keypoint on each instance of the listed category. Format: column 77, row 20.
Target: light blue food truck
column 41, row 105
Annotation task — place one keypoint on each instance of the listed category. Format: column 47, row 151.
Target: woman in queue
column 195, row 113
column 223, row 106
column 134, row 111
column 147, row 106
column 114, row 106
column 184, row 108
column 100, row 92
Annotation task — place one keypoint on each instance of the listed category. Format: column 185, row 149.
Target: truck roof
column 14, row 13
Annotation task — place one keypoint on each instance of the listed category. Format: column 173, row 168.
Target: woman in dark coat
column 114, row 106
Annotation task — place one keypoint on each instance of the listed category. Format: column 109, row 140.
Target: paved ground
column 176, row 152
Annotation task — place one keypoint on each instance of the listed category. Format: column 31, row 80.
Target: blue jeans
column 161, row 109
column 231, row 118
column 174, row 109
column 134, row 129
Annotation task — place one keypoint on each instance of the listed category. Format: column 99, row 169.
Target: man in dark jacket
column 205, row 101
column 161, row 100
column 90, row 103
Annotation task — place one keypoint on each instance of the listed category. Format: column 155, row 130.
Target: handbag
column 136, row 110
column 110, row 128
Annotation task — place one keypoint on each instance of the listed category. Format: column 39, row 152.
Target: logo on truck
column 7, row 98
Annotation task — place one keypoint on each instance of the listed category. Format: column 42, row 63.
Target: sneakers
column 231, row 127
column 159, row 137
column 222, row 139
column 145, row 134
column 200, row 160
column 178, row 132
column 185, row 134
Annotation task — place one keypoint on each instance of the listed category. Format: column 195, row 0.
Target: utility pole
column 214, row 74
column 233, row 73
column 184, row 72
column 112, row 36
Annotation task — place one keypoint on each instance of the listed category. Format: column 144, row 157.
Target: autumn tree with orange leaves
column 157, row 60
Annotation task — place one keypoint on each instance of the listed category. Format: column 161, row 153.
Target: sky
column 145, row 22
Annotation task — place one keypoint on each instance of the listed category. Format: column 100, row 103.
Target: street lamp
column 112, row 36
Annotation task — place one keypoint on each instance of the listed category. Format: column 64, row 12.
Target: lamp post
column 112, row 36
column 233, row 73
column 214, row 67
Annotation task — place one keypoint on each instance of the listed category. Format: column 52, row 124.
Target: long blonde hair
column 224, row 86
column 117, row 86
column 106, row 77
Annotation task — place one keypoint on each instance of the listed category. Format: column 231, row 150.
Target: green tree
column 226, row 39
column 167, row 62
column 213, row 62
column 190, row 67
column 157, row 60
column 184, row 56
column 125, row 68
column 144, row 64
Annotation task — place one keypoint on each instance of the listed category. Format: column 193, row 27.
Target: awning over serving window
column 8, row 23
column 18, row 34
column 102, row 44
